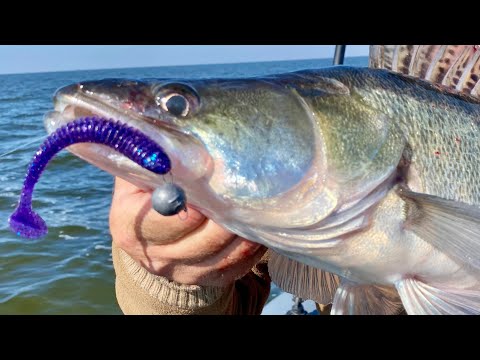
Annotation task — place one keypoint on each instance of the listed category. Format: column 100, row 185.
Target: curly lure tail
column 120, row 137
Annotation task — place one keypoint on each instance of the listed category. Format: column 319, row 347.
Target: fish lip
column 65, row 106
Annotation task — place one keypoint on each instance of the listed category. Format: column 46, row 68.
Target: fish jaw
column 189, row 159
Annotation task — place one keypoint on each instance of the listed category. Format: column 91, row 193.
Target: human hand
column 194, row 251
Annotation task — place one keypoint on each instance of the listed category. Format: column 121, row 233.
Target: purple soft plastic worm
column 120, row 137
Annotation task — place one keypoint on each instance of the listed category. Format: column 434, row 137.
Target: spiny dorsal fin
column 456, row 67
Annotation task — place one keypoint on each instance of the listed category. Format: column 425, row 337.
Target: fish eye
column 175, row 104
column 177, row 99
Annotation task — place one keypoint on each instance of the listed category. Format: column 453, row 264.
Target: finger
column 239, row 251
column 155, row 229
column 132, row 217
column 123, row 187
column 237, row 269
column 221, row 270
column 203, row 242
column 230, row 264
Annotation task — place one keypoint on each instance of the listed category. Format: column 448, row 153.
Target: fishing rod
column 339, row 54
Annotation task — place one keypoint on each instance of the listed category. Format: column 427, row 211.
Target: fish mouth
column 70, row 105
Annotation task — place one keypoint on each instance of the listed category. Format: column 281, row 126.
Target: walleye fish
column 364, row 182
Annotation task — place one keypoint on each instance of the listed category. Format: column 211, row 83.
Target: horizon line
column 172, row 65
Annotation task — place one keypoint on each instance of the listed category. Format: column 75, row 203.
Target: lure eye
column 177, row 99
column 175, row 104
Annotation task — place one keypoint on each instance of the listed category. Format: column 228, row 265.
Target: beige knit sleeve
column 142, row 293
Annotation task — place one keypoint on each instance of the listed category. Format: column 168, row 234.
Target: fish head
column 252, row 154
column 239, row 143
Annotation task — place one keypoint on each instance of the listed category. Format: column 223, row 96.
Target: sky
column 44, row 58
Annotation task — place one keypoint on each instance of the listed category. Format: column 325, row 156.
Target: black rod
column 339, row 54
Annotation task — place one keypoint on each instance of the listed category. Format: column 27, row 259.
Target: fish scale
column 432, row 122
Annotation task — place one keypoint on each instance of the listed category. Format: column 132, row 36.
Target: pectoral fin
column 302, row 280
column 355, row 299
column 421, row 299
column 450, row 226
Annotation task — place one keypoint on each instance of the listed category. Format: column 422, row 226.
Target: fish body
column 349, row 174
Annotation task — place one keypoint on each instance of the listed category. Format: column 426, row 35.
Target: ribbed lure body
column 129, row 142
